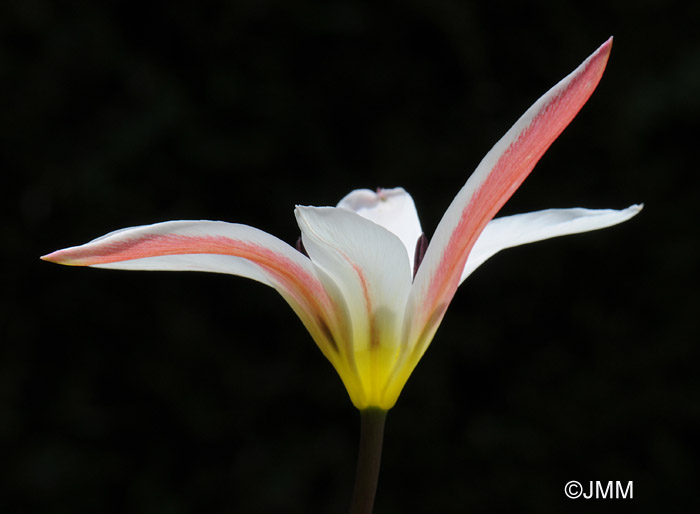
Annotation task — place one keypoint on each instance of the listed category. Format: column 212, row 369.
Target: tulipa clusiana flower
column 364, row 281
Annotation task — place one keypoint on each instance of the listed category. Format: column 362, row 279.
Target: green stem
column 368, row 460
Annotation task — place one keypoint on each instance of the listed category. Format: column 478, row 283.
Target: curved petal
column 496, row 178
column 219, row 247
column 393, row 209
column 370, row 266
column 520, row 229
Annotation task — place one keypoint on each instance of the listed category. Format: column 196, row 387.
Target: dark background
column 571, row 359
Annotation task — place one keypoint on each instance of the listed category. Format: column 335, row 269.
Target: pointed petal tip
column 57, row 257
column 49, row 257
column 601, row 55
column 595, row 64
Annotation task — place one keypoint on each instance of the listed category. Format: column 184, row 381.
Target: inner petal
column 392, row 209
column 370, row 267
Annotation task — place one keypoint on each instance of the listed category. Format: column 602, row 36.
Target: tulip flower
column 364, row 281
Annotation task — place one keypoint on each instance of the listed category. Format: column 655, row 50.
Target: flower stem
column 368, row 460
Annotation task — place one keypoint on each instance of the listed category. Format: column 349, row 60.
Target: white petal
column 368, row 263
column 520, row 229
column 393, row 209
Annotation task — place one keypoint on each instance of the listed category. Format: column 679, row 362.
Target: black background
column 571, row 359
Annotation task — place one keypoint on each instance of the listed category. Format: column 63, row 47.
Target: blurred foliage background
column 572, row 359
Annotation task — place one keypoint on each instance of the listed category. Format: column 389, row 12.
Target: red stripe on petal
column 511, row 169
column 302, row 285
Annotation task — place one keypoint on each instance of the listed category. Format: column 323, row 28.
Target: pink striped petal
column 219, row 247
column 496, row 178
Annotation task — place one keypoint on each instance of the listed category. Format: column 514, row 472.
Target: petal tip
column 602, row 54
column 49, row 257
column 64, row 257
column 54, row 257
column 301, row 210
column 636, row 208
